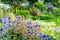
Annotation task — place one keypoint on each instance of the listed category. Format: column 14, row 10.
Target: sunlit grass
column 56, row 20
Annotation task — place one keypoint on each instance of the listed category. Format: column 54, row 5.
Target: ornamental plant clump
column 38, row 30
column 18, row 28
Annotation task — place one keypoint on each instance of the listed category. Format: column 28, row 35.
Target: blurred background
column 47, row 11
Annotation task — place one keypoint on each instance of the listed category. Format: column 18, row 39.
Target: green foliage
column 35, row 11
column 56, row 20
column 50, row 0
column 47, row 0
column 59, row 3
column 1, row 25
column 23, row 12
column 54, row 2
column 57, row 11
column 11, row 1
column 23, row 0
column 35, row 17
column 46, row 17
column 39, row 5
column 12, row 10
column 32, row 1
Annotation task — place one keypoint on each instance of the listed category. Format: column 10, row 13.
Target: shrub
column 39, row 5
column 34, row 11
column 23, row 12
column 46, row 17
column 35, row 17
column 57, row 11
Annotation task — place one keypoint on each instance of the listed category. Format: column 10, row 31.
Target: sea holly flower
column 45, row 36
column 49, row 38
column 16, row 29
column 19, row 18
column 20, row 23
column 14, row 22
column 28, row 22
column 7, row 18
column 4, row 21
column 6, row 27
column 29, row 27
column 36, row 25
column 38, row 33
column 11, row 24
column 29, row 30
column 1, row 29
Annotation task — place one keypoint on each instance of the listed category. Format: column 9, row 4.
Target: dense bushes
column 37, row 9
column 23, row 12
column 35, row 12
column 45, row 17
column 57, row 11
column 39, row 5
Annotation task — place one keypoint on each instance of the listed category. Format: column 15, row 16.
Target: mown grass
column 56, row 20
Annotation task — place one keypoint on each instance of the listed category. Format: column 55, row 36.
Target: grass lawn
column 56, row 20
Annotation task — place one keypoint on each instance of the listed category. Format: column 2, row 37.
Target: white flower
column 6, row 6
column 25, row 4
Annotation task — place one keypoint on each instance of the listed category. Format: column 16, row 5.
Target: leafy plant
column 39, row 5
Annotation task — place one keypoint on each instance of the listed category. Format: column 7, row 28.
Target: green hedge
column 23, row 12
column 39, row 5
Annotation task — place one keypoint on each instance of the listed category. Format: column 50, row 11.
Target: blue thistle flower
column 28, row 22
column 1, row 29
column 39, row 33
column 6, row 22
column 19, row 17
column 49, row 38
column 14, row 22
column 6, row 28
column 36, row 25
column 29, row 27
column 45, row 36
column 7, row 18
